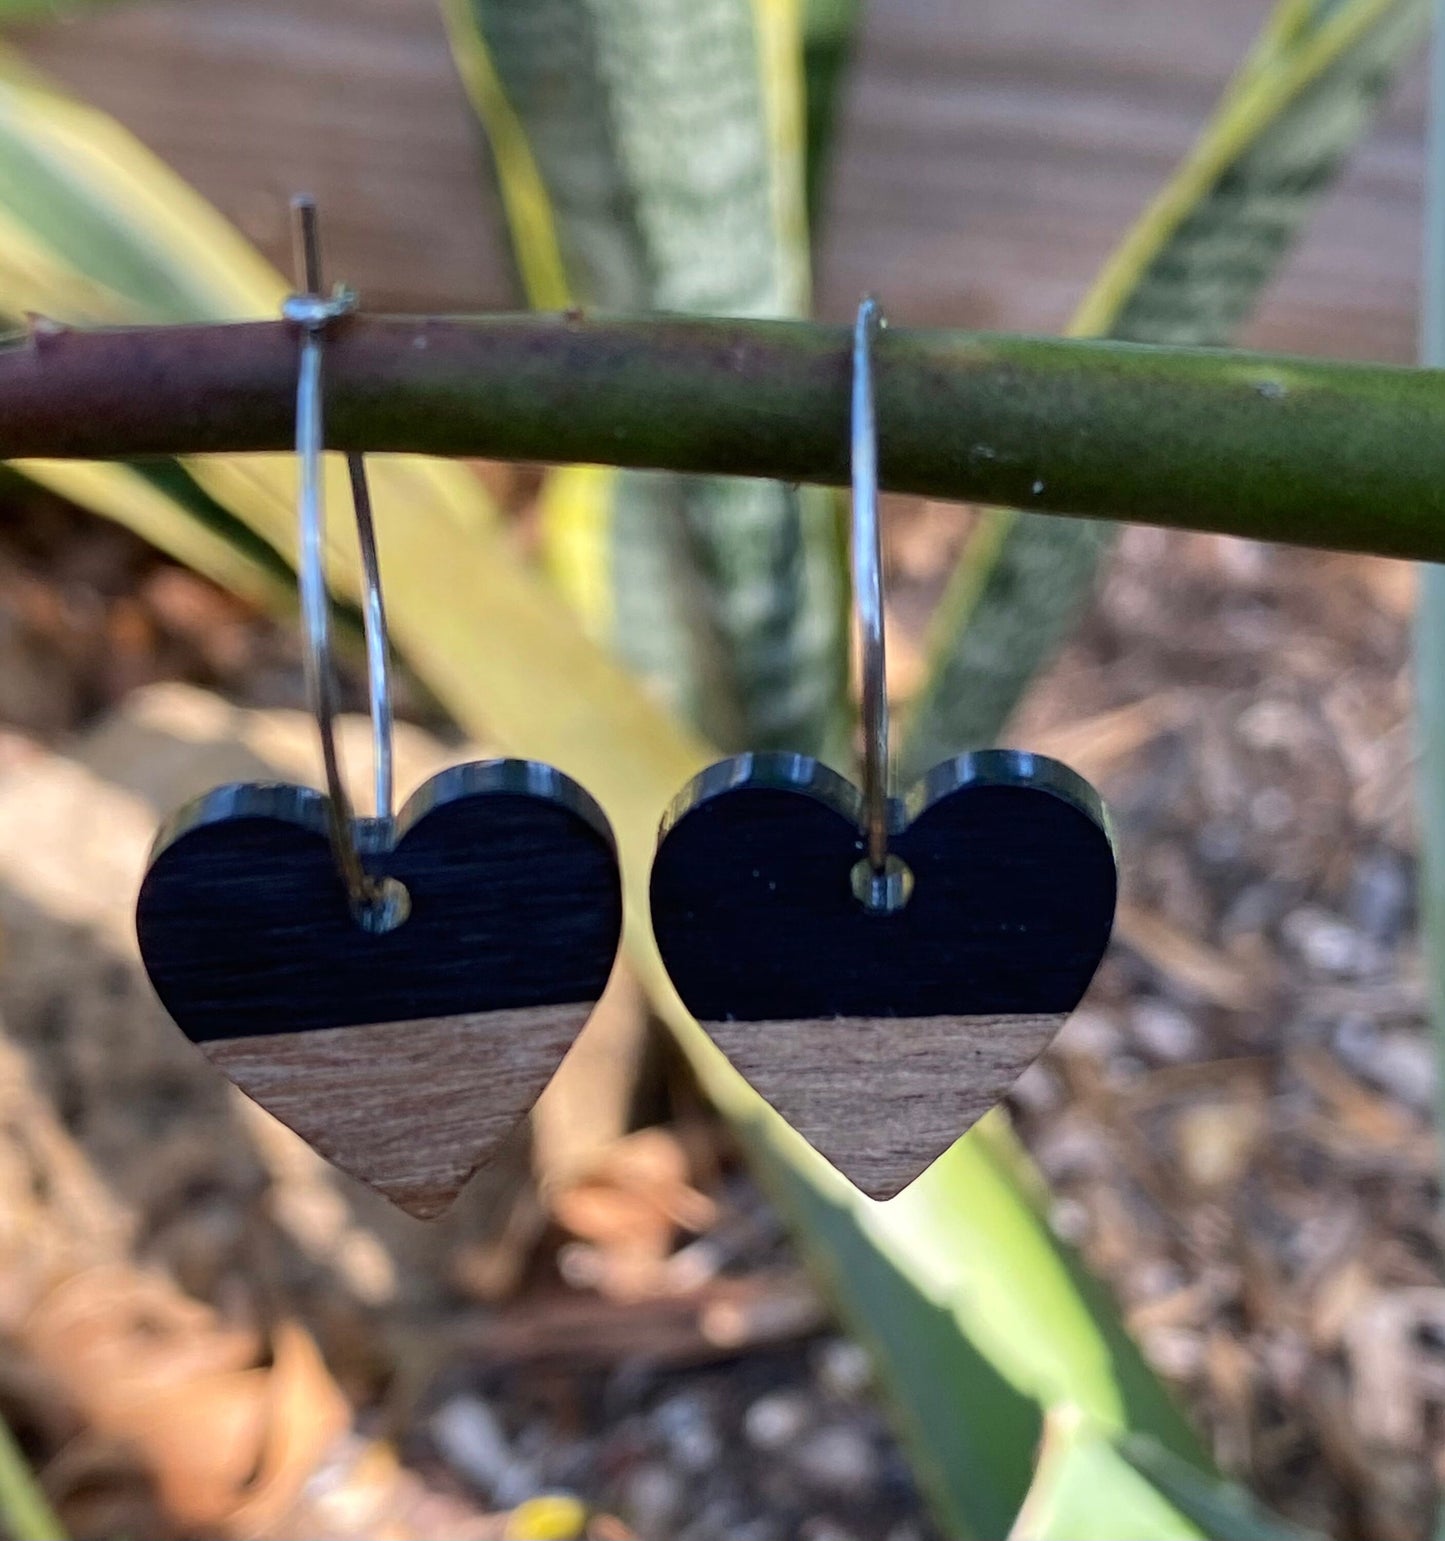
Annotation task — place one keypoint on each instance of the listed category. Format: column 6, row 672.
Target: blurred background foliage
column 669, row 155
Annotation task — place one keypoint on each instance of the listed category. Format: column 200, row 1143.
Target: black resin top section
column 516, row 901
column 1011, row 909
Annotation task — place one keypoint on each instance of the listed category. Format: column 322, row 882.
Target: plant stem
column 1347, row 456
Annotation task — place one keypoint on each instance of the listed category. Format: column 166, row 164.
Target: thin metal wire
column 306, row 244
column 867, row 550
column 375, row 902
column 378, row 651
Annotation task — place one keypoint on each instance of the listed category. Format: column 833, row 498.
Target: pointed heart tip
column 882, row 1192
column 879, row 1178
column 883, row 1098
column 428, row 1205
column 412, row 1109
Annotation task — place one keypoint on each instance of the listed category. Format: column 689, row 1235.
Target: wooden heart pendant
column 881, row 1037
column 404, row 1057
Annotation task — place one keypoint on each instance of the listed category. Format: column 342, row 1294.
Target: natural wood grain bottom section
column 883, row 1097
column 412, row 1108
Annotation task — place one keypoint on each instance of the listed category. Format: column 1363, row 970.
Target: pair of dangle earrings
column 398, row 989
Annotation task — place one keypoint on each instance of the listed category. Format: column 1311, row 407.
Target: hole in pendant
column 387, row 909
column 885, row 892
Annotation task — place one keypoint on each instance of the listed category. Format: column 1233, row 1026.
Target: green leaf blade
column 651, row 154
column 1189, row 272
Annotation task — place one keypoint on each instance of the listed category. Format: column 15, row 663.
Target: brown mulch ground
column 1236, row 1127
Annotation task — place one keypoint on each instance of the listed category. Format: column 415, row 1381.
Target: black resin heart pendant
column 404, row 1057
column 881, row 1037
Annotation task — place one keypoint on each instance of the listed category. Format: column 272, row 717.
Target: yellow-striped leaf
column 651, row 156
column 1189, row 271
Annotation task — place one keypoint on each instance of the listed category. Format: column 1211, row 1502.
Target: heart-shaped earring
column 882, row 969
column 397, row 990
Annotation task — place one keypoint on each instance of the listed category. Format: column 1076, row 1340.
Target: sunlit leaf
column 1085, row 1490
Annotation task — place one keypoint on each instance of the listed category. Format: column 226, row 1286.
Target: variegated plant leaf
column 650, row 156
column 1189, row 271
column 93, row 228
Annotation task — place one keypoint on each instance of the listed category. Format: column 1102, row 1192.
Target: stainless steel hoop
column 881, row 881
column 379, row 904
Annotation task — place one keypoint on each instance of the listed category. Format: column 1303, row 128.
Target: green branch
column 1348, row 456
